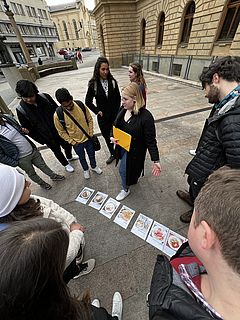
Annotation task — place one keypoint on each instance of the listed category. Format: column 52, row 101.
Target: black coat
column 108, row 105
column 143, row 132
column 219, row 144
column 167, row 301
column 39, row 119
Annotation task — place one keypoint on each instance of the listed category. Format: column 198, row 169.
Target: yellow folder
column 124, row 139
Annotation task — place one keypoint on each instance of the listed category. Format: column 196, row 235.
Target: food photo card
column 157, row 235
column 124, row 217
column 98, row 200
column 142, row 226
column 109, row 208
column 173, row 243
column 85, row 195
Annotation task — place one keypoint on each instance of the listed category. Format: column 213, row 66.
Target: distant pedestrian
column 35, row 113
column 72, row 133
column 135, row 74
column 104, row 88
column 17, row 150
column 40, row 62
column 79, row 56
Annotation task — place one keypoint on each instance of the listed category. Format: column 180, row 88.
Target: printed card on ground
column 173, row 243
column 85, row 195
column 124, row 217
column 142, row 226
column 98, row 200
column 157, row 235
column 109, row 208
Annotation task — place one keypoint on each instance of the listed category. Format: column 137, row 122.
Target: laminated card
column 142, row 226
column 157, row 235
column 85, row 195
column 109, row 208
column 124, row 217
column 98, row 200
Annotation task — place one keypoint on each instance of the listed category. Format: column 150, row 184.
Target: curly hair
column 26, row 88
column 96, row 74
column 137, row 68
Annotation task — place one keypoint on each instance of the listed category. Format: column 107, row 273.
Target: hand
column 100, row 113
column 113, row 140
column 25, row 130
column 76, row 226
column 156, row 170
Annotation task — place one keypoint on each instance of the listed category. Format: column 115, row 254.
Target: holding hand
column 156, row 170
column 76, row 226
column 100, row 113
column 113, row 140
column 24, row 130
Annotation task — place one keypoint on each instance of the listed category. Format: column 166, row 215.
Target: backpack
column 95, row 86
column 60, row 113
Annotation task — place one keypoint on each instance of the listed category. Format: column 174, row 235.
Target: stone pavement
column 124, row 262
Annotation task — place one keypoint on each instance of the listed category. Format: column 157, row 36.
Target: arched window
column 143, row 31
column 231, row 21
column 56, row 30
column 188, row 21
column 75, row 28
column 65, row 30
column 161, row 20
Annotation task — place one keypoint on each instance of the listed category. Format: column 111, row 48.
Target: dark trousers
column 80, row 151
column 56, row 145
column 194, row 187
column 106, row 128
column 71, row 271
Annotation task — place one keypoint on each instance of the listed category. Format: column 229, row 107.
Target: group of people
column 40, row 256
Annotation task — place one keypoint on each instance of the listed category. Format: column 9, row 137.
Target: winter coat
column 39, row 119
column 9, row 153
column 108, row 105
column 219, row 144
column 53, row 211
column 143, row 132
column 167, row 300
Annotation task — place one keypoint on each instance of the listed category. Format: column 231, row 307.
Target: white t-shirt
column 16, row 138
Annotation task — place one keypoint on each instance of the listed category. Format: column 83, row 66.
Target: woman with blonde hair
column 135, row 120
column 135, row 74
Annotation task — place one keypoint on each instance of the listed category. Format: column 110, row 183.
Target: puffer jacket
column 219, row 144
column 167, row 300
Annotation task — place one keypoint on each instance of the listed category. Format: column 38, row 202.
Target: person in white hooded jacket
column 17, row 203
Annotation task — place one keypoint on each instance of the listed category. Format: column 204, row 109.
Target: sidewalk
column 124, row 262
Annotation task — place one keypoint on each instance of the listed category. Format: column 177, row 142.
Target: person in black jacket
column 35, row 113
column 137, row 121
column 219, row 144
column 202, row 281
column 104, row 88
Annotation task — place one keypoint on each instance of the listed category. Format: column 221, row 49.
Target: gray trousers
column 36, row 159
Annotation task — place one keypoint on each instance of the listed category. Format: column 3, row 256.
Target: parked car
column 62, row 51
column 86, row 49
column 69, row 55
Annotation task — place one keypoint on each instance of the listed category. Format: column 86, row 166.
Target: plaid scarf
column 234, row 93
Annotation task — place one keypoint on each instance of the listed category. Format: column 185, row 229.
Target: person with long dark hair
column 32, row 261
column 104, row 88
column 135, row 74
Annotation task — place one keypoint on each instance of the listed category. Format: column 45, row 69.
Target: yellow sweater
column 74, row 135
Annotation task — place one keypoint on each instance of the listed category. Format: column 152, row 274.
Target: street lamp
column 23, row 46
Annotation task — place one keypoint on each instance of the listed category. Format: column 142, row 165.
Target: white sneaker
column 192, row 152
column 117, row 305
column 74, row 157
column 85, row 268
column 96, row 303
column 86, row 174
column 122, row 195
column 97, row 170
column 69, row 168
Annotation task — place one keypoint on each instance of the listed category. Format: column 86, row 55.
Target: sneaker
column 97, row 170
column 186, row 216
column 96, row 303
column 110, row 159
column 85, row 268
column 57, row 177
column 117, row 306
column 46, row 186
column 74, row 157
column 69, row 168
column 122, row 195
column 185, row 196
column 86, row 174
column 192, row 152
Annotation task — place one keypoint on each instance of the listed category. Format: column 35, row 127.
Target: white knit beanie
column 12, row 185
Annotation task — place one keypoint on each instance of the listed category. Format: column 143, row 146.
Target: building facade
column 161, row 32
column 36, row 27
column 75, row 25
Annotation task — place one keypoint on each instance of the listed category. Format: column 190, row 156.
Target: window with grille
column 231, row 21
column 161, row 21
column 187, row 22
column 75, row 28
column 65, row 30
column 143, row 32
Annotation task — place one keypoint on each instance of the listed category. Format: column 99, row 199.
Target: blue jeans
column 123, row 168
column 80, row 151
